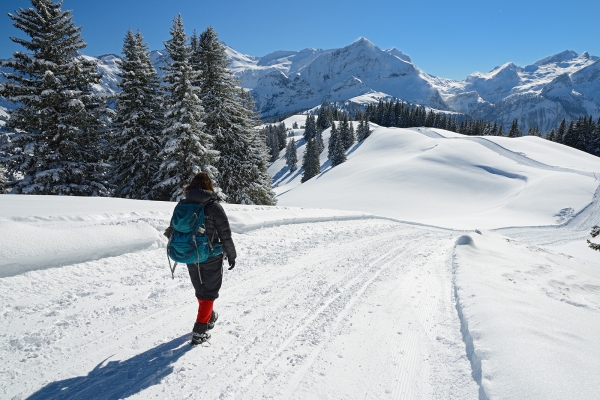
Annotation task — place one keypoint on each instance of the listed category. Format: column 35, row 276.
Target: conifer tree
column 570, row 136
column 514, row 129
column 291, row 155
column 231, row 121
column 345, row 134
column 3, row 179
column 310, row 127
column 560, row 133
column 551, row 135
column 363, row 130
column 336, row 151
column 319, row 138
column 311, row 162
column 59, row 120
column 137, row 127
column 324, row 118
column 188, row 148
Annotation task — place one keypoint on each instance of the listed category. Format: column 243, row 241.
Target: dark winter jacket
column 214, row 218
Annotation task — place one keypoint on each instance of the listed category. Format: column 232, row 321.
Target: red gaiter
column 205, row 308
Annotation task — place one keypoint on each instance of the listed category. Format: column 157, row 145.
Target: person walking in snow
column 207, row 276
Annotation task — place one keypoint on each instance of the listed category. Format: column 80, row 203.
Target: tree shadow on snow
column 120, row 379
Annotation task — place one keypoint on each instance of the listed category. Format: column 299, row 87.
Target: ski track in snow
column 348, row 309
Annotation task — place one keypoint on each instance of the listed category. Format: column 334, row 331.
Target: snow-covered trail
column 348, row 309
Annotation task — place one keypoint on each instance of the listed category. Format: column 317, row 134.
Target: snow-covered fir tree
column 311, row 162
column 231, row 122
column 59, row 120
column 291, row 155
column 514, row 130
column 336, row 151
column 310, row 127
column 319, row 138
column 3, row 179
column 258, row 181
column 324, row 118
column 363, row 131
column 188, row 148
column 346, row 135
column 137, row 127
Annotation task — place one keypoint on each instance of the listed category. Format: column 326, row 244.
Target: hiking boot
column 199, row 338
column 199, row 334
column 213, row 318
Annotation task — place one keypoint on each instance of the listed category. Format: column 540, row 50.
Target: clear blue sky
column 446, row 38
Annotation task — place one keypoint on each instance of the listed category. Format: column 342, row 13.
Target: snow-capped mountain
column 564, row 85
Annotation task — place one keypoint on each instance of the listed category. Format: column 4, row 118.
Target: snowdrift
column 530, row 319
column 40, row 232
column 447, row 179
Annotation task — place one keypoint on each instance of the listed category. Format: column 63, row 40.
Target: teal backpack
column 189, row 243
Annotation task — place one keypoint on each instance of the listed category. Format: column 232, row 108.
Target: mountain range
column 564, row 85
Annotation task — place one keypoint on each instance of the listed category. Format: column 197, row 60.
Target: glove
column 231, row 264
column 168, row 232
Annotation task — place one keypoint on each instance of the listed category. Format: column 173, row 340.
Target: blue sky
column 450, row 39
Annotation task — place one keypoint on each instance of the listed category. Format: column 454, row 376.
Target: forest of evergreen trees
column 63, row 139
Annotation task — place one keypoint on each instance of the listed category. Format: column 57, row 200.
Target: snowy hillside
column 395, row 288
column 564, row 85
column 446, row 179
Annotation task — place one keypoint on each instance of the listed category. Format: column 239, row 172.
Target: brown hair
column 200, row 181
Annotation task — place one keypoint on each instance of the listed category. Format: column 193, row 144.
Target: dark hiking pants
column 207, row 277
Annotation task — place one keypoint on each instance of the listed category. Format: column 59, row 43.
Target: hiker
column 207, row 276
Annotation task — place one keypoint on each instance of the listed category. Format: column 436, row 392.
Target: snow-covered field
column 429, row 265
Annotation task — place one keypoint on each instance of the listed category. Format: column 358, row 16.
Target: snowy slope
column 361, row 308
column 448, row 179
column 345, row 302
column 531, row 319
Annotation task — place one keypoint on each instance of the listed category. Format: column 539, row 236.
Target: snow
column 333, row 295
column 532, row 317
column 471, row 182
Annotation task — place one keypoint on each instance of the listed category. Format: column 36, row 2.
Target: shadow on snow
column 120, row 379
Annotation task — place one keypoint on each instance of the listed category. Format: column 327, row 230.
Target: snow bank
column 530, row 319
column 39, row 232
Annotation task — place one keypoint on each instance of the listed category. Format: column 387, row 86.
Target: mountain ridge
column 562, row 85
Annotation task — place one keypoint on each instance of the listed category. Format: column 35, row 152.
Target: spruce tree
column 59, row 120
column 291, row 155
column 560, row 133
column 311, row 162
column 514, row 129
column 336, row 151
column 363, row 130
column 188, row 148
column 3, row 179
column 570, row 136
column 324, row 118
column 310, row 127
column 346, row 135
column 137, row 127
column 231, row 121
column 319, row 138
